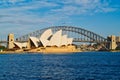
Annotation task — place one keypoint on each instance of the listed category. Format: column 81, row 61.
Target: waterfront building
column 46, row 39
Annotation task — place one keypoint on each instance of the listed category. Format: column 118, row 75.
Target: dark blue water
column 78, row 66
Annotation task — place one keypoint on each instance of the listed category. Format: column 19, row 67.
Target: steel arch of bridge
column 89, row 36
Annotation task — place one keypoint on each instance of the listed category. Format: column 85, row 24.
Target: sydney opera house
column 47, row 39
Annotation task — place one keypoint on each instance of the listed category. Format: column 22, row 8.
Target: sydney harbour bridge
column 78, row 34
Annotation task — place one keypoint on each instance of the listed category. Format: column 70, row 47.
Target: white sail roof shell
column 56, row 39
column 21, row 45
column 34, row 40
column 44, row 37
column 64, row 40
column 18, row 44
column 24, row 44
column 69, row 40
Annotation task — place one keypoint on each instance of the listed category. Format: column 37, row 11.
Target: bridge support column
column 28, row 44
column 112, row 44
column 10, row 40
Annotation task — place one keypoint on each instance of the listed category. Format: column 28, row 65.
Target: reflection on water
column 78, row 66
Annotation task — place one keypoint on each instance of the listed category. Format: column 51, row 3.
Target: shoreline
column 51, row 50
column 40, row 52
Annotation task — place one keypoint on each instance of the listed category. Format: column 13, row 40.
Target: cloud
column 14, row 1
column 77, row 7
column 28, row 14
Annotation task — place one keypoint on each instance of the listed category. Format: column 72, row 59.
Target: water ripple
column 79, row 66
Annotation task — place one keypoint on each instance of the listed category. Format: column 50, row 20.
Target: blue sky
column 24, row 16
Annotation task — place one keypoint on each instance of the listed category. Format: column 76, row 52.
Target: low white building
column 47, row 39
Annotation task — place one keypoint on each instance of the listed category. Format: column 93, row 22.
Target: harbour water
column 74, row 66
